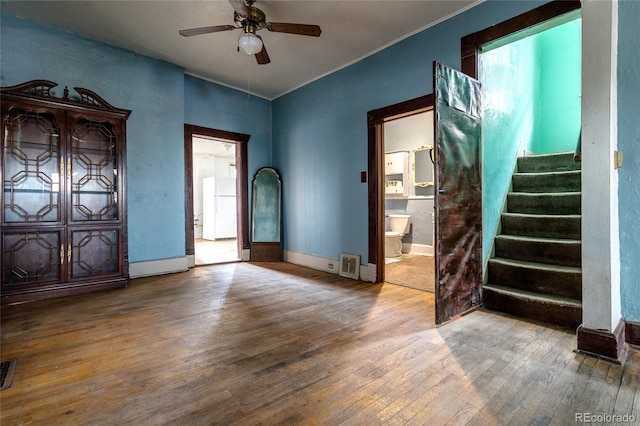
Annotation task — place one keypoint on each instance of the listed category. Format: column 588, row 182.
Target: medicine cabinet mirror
column 423, row 166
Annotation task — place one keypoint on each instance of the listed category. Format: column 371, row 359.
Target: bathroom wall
column 406, row 134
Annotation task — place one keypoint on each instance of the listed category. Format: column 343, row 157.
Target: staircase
column 536, row 272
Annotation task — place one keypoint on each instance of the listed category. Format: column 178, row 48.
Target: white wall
column 600, row 233
column 204, row 166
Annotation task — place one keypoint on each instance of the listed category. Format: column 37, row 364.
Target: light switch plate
column 617, row 159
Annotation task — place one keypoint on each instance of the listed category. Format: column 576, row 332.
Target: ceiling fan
column 250, row 19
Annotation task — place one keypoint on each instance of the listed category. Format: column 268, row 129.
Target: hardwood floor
column 276, row 343
column 411, row 270
column 209, row 252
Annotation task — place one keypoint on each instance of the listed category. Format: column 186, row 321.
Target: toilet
column 393, row 239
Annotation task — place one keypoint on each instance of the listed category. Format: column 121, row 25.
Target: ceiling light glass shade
column 249, row 43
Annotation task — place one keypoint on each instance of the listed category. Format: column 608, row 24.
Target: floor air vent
column 7, row 370
column 350, row 266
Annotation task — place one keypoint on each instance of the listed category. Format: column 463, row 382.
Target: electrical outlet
column 330, row 265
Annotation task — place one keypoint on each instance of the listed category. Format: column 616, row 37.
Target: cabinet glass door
column 31, row 257
column 94, row 253
column 93, row 164
column 31, row 167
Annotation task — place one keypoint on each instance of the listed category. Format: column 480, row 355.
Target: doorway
column 398, row 119
column 532, row 103
column 531, row 89
column 409, row 197
column 216, row 201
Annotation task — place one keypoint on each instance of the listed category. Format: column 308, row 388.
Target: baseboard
column 326, row 264
column 191, row 260
column 420, row 249
column 632, row 333
column 368, row 272
column 607, row 345
column 158, row 267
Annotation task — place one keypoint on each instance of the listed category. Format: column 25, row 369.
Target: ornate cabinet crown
column 63, row 193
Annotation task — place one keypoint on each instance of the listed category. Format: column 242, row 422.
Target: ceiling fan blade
column 240, row 7
column 262, row 56
column 300, row 29
column 206, row 30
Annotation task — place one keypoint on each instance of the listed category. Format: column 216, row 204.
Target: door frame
column 240, row 141
column 471, row 44
column 375, row 122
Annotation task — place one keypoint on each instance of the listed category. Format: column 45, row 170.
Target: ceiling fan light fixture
column 249, row 43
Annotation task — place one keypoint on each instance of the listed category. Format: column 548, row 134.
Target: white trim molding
column 158, row 267
column 600, row 233
column 326, row 264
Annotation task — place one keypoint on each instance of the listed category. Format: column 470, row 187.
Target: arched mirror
column 266, row 216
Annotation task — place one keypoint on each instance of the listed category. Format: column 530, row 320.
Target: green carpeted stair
column 536, row 270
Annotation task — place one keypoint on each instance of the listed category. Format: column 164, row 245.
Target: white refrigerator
column 218, row 208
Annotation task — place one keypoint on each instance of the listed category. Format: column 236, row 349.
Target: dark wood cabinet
column 64, row 193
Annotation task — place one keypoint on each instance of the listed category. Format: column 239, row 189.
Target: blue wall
column 152, row 89
column 162, row 99
column 629, row 144
column 218, row 107
column 320, row 131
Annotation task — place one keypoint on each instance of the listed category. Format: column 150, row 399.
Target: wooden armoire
column 64, row 219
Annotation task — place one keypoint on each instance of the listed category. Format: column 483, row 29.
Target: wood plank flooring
column 264, row 344
column 412, row 270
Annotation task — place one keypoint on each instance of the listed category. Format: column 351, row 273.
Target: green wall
column 508, row 123
column 558, row 79
column 531, row 102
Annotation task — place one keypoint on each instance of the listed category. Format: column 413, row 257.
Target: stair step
column 551, row 251
column 547, row 163
column 562, row 311
column 566, row 181
column 536, row 272
column 537, row 277
column 546, row 203
column 541, row 225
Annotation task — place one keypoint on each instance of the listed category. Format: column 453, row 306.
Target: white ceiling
column 351, row 30
column 213, row 147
